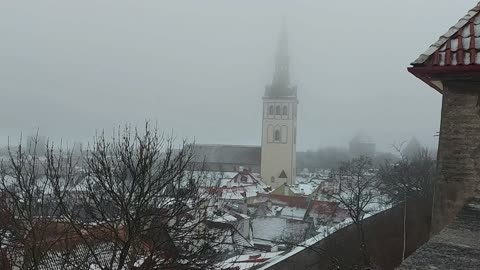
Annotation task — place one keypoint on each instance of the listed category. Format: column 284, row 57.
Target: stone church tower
column 279, row 126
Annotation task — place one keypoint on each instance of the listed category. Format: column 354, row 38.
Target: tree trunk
column 404, row 225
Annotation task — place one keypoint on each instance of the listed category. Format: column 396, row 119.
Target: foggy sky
column 199, row 68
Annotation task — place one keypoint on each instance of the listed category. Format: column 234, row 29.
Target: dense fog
column 199, row 68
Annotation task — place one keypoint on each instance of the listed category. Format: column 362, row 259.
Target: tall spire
column 280, row 86
column 281, row 77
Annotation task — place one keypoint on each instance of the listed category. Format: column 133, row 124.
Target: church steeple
column 279, row 123
column 281, row 76
column 280, row 86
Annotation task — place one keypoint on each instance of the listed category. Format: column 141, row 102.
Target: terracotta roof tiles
column 459, row 46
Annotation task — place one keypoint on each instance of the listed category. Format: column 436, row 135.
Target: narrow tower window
column 285, row 110
column 278, row 110
column 270, row 110
column 277, row 136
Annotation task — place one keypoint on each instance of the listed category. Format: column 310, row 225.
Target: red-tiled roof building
column 456, row 54
column 452, row 67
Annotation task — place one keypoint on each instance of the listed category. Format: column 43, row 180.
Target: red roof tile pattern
column 460, row 46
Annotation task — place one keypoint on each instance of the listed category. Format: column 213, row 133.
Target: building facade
column 279, row 123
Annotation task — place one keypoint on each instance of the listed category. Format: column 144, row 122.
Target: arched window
column 272, row 179
column 278, row 110
column 270, row 133
column 277, row 136
column 270, row 110
column 285, row 110
column 284, row 133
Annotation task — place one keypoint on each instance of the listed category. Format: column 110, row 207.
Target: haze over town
column 316, row 133
column 199, row 68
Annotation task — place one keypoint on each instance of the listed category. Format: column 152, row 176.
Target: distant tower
column 413, row 149
column 279, row 126
column 362, row 145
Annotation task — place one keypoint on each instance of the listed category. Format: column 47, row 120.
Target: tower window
column 277, row 136
column 278, row 110
column 270, row 110
column 272, row 179
column 285, row 110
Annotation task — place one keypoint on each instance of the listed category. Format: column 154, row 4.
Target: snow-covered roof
column 229, row 218
column 458, row 46
column 247, row 261
column 78, row 257
column 322, row 232
column 239, row 193
column 278, row 228
column 304, row 188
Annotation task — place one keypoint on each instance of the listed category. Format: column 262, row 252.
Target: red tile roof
column 460, row 46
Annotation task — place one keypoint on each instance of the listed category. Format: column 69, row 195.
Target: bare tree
column 410, row 177
column 140, row 197
column 357, row 189
column 28, row 214
column 132, row 201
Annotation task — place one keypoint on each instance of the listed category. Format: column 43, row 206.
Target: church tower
column 279, row 125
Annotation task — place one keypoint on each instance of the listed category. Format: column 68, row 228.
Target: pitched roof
column 227, row 154
column 459, row 46
column 320, row 207
column 79, row 257
column 279, row 229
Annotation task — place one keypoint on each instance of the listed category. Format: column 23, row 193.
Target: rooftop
column 227, row 154
column 454, row 54
column 459, row 46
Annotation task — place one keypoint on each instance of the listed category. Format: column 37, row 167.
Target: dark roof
column 228, row 154
column 459, row 46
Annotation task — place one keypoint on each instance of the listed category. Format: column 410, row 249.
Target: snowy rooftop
column 458, row 46
column 247, row 261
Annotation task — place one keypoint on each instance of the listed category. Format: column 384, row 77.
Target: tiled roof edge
column 445, row 37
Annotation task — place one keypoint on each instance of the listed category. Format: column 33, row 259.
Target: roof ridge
column 231, row 145
column 443, row 40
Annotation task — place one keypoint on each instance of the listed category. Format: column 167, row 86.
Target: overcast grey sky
column 199, row 68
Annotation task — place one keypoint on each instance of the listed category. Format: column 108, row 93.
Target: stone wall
column 384, row 233
column 456, row 247
column 458, row 153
